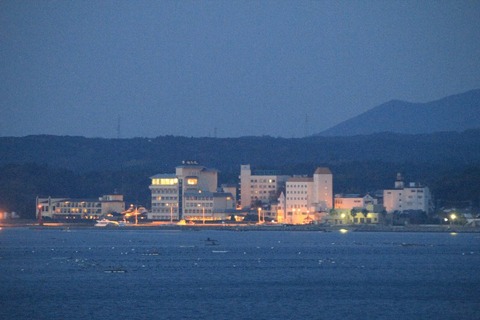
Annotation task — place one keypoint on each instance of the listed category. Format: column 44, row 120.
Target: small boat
column 211, row 242
column 115, row 270
column 105, row 223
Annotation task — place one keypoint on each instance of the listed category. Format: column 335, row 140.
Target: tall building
column 305, row 197
column 260, row 186
column 190, row 193
column 299, row 196
column 404, row 198
column 322, row 189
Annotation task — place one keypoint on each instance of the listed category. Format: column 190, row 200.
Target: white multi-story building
column 322, row 189
column 402, row 198
column 208, row 205
column 306, row 197
column 190, row 194
column 299, row 195
column 68, row 208
column 263, row 186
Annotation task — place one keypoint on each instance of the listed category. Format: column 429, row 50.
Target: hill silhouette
column 453, row 113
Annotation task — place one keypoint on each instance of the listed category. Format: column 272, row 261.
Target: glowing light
column 192, row 181
column 453, row 233
column 165, row 181
column 343, row 231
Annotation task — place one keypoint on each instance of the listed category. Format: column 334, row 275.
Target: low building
column 208, row 206
column 76, row 209
column 350, row 201
column 414, row 197
column 8, row 215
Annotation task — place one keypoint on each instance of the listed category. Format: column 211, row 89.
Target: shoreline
column 247, row 227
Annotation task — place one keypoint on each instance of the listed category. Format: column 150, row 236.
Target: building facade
column 261, row 186
column 299, row 195
column 74, row 209
column 189, row 194
column 353, row 201
column 322, row 189
column 415, row 197
column 306, row 198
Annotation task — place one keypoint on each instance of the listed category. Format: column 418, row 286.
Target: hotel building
column 68, row 208
column 189, row 194
column 261, row 186
column 402, row 198
column 306, row 197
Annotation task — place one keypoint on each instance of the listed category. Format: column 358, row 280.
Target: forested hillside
column 82, row 167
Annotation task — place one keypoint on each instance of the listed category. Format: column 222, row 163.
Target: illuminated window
column 165, row 181
column 192, row 181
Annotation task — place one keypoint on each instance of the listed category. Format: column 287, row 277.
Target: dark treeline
column 80, row 167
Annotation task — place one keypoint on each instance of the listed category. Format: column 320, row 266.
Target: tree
column 365, row 212
column 353, row 213
column 383, row 214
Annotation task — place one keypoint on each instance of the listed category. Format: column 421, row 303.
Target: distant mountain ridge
column 453, row 113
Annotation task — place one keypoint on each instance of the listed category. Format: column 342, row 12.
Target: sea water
column 129, row 273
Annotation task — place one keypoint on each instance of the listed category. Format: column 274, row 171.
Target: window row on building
column 63, row 208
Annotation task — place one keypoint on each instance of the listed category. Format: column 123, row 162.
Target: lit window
column 165, row 181
column 192, row 181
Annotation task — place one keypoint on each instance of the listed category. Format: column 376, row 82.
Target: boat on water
column 106, row 223
column 211, row 242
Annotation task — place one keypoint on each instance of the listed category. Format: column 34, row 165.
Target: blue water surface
column 96, row 273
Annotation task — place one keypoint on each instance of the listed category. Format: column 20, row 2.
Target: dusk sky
column 225, row 68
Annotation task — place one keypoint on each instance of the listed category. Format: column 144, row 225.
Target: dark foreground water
column 154, row 274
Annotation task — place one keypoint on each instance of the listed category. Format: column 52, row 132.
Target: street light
column 342, row 216
column 171, row 211
column 259, row 210
column 453, row 216
column 134, row 210
column 203, row 212
column 39, row 217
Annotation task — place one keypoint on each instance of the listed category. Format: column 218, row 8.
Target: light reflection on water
column 106, row 274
